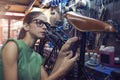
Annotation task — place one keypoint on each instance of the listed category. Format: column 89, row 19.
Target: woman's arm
column 9, row 61
column 67, row 47
column 64, row 63
column 56, row 76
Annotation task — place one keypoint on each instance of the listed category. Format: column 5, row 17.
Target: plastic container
column 107, row 55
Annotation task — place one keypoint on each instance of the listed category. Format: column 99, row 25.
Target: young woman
column 19, row 61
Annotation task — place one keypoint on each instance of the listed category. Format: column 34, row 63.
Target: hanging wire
column 113, row 13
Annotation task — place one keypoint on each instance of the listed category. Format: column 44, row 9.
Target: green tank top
column 29, row 62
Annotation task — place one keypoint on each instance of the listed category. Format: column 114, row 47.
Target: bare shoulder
column 10, row 50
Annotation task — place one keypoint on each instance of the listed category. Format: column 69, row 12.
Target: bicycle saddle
column 86, row 24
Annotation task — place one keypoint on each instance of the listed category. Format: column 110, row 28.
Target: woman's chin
column 41, row 37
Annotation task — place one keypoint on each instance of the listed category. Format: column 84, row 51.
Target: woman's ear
column 26, row 27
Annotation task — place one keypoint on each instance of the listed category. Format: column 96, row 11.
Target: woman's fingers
column 69, row 55
column 75, row 58
column 68, row 44
column 71, row 41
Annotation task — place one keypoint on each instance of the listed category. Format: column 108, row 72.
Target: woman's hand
column 68, row 61
column 65, row 58
column 68, row 46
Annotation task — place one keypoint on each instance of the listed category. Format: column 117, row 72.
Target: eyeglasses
column 40, row 23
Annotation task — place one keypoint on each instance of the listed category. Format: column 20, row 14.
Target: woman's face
column 37, row 28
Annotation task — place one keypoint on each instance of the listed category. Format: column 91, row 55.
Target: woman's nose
column 44, row 26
